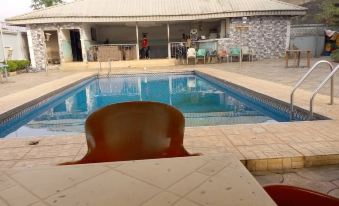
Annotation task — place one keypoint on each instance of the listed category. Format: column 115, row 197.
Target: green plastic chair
column 201, row 54
column 235, row 52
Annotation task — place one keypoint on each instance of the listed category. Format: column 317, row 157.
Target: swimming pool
column 203, row 99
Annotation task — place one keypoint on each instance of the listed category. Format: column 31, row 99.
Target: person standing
column 144, row 46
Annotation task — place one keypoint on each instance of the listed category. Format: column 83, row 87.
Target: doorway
column 52, row 47
column 76, row 45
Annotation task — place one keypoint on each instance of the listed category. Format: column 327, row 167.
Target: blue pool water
column 202, row 102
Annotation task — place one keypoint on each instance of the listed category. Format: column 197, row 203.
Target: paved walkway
column 323, row 179
column 274, row 70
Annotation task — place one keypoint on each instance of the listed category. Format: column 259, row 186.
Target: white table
column 189, row 181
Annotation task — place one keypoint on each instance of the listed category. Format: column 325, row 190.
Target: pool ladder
column 109, row 70
column 315, row 92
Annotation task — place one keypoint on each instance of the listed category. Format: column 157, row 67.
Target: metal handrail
column 315, row 92
column 303, row 79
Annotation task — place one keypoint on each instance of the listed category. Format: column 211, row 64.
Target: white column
column 30, row 47
column 168, row 41
column 3, row 44
column 137, row 35
column 223, row 28
column 83, row 44
column 288, row 34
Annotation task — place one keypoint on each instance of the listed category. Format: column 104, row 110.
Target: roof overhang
column 174, row 18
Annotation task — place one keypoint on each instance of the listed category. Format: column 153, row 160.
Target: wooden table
column 297, row 56
column 200, row 180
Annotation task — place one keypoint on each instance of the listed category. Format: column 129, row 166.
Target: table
column 199, row 180
column 297, row 56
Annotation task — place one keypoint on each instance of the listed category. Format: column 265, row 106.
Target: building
column 13, row 43
column 73, row 29
column 297, row 2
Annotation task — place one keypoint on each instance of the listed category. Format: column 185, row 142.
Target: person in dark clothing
column 144, row 46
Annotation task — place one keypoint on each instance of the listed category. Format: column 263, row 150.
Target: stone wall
column 39, row 48
column 266, row 35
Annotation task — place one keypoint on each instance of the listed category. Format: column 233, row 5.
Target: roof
column 155, row 10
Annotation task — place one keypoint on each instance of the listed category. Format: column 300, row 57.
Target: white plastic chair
column 245, row 51
column 191, row 54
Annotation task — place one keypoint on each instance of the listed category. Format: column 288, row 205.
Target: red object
column 285, row 195
column 145, row 43
column 134, row 130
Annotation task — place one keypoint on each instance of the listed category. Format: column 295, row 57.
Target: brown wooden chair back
column 132, row 131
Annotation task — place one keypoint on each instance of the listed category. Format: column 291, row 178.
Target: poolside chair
column 211, row 53
column 246, row 52
column 201, row 54
column 133, row 131
column 191, row 54
column 235, row 52
column 222, row 53
column 253, row 55
column 285, row 195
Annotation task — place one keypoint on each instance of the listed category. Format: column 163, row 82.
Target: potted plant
column 335, row 55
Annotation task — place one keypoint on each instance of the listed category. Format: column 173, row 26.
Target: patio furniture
column 209, row 179
column 3, row 71
column 246, row 52
column 191, row 54
column 235, row 52
column 222, row 53
column 134, row 130
column 296, row 54
column 211, row 53
column 253, row 55
column 201, row 54
column 285, row 195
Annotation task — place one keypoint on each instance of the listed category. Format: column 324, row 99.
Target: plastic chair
column 253, row 55
column 211, row 53
column 285, row 195
column 235, row 52
column 191, row 54
column 132, row 131
column 222, row 53
column 245, row 51
column 201, row 54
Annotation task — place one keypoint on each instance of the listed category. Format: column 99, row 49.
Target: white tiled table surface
column 188, row 181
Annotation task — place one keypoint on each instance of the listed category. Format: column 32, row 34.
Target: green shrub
column 335, row 55
column 16, row 65
column 12, row 66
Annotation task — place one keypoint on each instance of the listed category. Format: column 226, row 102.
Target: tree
column 39, row 4
column 329, row 13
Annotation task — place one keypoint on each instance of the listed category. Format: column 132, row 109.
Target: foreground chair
column 285, row 195
column 134, row 130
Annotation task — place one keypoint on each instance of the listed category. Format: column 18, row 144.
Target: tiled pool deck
column 259, row 146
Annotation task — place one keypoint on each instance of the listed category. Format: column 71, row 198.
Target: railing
column 178, row 49
column 303, row 79
column 112, row 52
column 315, row 92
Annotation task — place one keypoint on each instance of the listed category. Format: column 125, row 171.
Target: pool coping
column 271, row 161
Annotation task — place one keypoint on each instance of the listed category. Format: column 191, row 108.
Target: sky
column 10, row 8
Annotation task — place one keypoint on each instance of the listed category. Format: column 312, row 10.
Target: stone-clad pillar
column 37, row 48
